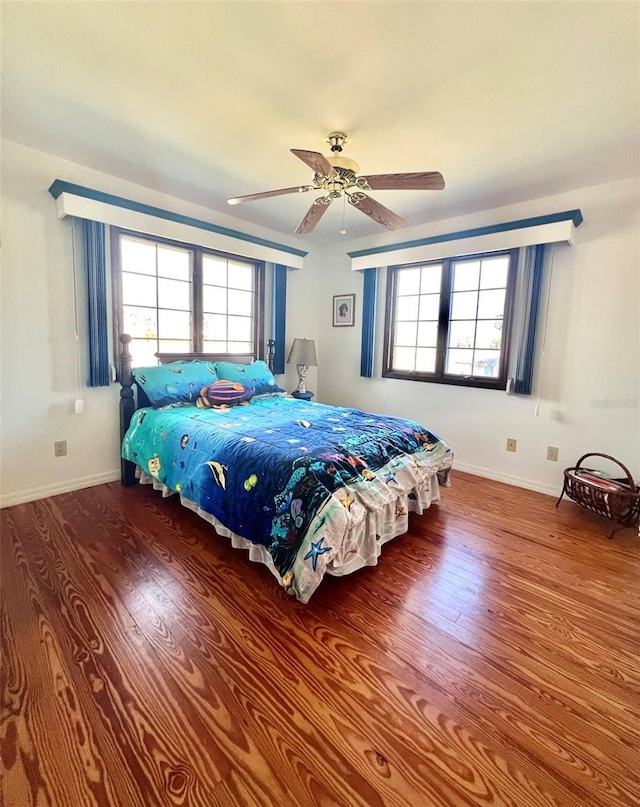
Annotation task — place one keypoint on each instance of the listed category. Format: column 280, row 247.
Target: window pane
column 214, row 270
column 143, row 352
column 465, row 275
column 426, row 359
column 431, row 279
column 494, row 272
column 138, row 289
column 240, row 276
column 240, row 347
column 404, row 358
column 429, row 306
column 215, row 347
column 214, row 299
column 240, row 329
column 406, row 334
column 240, row 302
column 215, row 327
column 462, row 333
column 174, row 294
column 408, row 281
column 175, row 346
column 407, row 308
column 486, row 363
column 460, row 362
column 138, row 256
column 174, row 263
column 140, row 322
column 491, row 304
column 464, row 305
column 427, row 334
column 174, row 324
column 489, row 333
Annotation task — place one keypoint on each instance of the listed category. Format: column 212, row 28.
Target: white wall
column 589, row 353
column 592, row 344
column 38, row 342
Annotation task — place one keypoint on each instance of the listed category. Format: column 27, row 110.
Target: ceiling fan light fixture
column 344, row 163
column 337, row 176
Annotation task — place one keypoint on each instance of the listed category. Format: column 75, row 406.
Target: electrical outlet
column 511, row 444
column 60, row 448
column 552, row 453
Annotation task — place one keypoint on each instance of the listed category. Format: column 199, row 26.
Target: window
column 448, row 321
column 179, row 298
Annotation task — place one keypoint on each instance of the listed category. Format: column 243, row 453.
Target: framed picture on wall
column 343, row 310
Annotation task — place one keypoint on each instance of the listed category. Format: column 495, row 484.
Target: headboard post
column 127, row 406
column 271, row 343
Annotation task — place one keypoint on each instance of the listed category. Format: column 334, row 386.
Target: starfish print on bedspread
column 316, row 549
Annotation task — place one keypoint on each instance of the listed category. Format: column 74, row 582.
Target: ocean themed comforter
column 305, row 487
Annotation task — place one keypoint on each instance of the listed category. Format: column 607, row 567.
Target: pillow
column 224, row 394
column 256, row 375
column 177, row 382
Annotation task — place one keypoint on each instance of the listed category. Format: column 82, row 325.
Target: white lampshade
column 303, row 351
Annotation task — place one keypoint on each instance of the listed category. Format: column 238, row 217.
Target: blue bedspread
column 264, row 470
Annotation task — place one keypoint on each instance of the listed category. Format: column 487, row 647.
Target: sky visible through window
column 158, row 300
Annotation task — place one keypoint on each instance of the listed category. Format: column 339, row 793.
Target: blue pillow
column 177, row 382
column 256, row 375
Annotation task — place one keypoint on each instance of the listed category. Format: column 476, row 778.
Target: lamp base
column 302, row 396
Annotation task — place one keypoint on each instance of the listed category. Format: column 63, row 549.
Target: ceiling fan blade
column 266, row 194
column 418, row 181
column 376, row 211
column 318, row 162
column 313, row 215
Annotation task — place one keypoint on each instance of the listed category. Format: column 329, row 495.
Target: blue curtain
column 279, row 316
column 93, row 248
column 369, row 298
column 532, row 278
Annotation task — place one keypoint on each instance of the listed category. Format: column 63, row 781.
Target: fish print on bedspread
column 265, row 471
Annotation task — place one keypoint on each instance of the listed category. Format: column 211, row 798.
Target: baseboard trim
column 509, row 479
column 43, row 492
column 22, row 496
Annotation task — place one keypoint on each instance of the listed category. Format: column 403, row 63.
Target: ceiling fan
column 337, row 175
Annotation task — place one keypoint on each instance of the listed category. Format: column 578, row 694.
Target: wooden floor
column 492, row 658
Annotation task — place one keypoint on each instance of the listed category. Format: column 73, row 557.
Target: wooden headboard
column 133, row 397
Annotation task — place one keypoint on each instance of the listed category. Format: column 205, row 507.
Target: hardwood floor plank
column 158, row 727
column 260, row 691
column 569, row 623
column 202, row 582
column 205, row 684
column 41, row 689
column 480, row 707
column 492, row 658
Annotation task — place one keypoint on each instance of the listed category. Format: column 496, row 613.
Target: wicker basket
column 617, row 499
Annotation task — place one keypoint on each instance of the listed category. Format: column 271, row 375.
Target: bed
column 305, row 488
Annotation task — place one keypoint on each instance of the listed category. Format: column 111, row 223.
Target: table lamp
column 303, row 355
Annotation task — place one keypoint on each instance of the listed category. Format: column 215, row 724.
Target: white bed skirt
column 364, row 537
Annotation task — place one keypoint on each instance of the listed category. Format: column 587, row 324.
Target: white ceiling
column 203, row 100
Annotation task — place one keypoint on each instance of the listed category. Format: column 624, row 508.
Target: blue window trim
column 60, row 186
column 520, row 224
